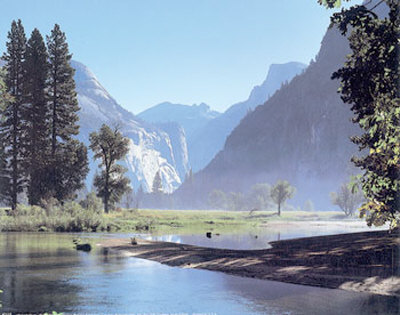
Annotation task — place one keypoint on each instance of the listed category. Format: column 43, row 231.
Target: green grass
column 73, row 218
column 199, row 221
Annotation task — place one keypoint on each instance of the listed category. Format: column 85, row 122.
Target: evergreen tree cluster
column 39, row 116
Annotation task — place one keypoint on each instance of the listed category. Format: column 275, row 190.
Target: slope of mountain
column 207, row 141
column 151, row 148
column 191, row 118
column 300, row 134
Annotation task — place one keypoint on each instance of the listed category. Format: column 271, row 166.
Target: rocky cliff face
column 191, row 118
column 300, row 134
column 205, row 142
column 151, row 148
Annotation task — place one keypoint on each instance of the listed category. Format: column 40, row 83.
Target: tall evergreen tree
column 157, row 185
column 11, row 126
column 63, row 102
column 64, row 171
column 35, row 116
column 5, row 99
column 109, row 145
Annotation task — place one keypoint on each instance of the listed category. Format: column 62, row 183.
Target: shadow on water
column 42, row 272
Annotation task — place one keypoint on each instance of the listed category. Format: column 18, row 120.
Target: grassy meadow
column 72, row 217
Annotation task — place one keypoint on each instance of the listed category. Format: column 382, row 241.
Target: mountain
column 208, row 140
column 191, row 118
column 300, row 134
column 150, row 149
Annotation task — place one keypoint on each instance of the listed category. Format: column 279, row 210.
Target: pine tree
column 5, row 99
column 35, row 116
column 139, row 196
column 66, row 174
column 109, row 145
column 157, row 185
column 71, row 169
column 63, row 102
column 11, row 126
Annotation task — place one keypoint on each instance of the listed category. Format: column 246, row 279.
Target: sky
column 182, row 51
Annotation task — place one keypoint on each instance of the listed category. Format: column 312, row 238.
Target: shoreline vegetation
column 362, row 262
column 80, row 217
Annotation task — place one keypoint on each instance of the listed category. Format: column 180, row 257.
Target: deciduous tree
column 370, row 85
column 346, row 199
column 281, row 192
column 109, row 145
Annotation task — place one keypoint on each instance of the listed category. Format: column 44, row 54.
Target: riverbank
column 362, row 262
column 72, row 217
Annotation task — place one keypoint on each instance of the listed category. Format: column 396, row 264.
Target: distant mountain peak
column 190, row 117
column 206, row 142
column 151, row 149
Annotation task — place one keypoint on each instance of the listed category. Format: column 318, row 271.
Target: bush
column 69, row 217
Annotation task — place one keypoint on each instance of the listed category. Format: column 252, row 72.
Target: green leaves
column 369, row 83
column 330, row 3
column 109, row 145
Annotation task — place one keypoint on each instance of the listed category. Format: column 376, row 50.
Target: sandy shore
column 363, row 262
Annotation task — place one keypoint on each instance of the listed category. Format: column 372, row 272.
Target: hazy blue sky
column 184, row 51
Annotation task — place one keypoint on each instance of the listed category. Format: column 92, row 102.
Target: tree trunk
column 106, row 204
column 279, row 209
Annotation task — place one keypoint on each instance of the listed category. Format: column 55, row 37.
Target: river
column 44, row 273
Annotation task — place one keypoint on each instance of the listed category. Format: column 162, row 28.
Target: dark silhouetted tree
column 11, row 125
column 370, row 84
column 35, row 116
column 65, row 172
column 109, row 145
column 5, row 100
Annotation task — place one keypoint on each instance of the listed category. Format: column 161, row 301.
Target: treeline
column 39, row 119
column 39, row 154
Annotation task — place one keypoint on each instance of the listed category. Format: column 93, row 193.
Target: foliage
column 331, row 3
column 236, row 201
column 92, row 203
column 260, row 197
column 157, row 184
column 11, row 125
column 370, row 84
column 71, row 170
column 110, row 146
column 281, row 192
column 35, row 116
column 347, row 199
column 217, row 199
column 5, row 99
column 68, row 165
column 128, row 199
column 69, row 217
column 39, row 119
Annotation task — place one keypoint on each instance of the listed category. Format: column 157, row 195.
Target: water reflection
column 42, row 272
column 256, row 239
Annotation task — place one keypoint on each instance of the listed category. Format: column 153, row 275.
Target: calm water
column 261, row 238
column 42, row 272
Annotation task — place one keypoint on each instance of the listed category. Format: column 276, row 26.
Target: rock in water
column 85, row 247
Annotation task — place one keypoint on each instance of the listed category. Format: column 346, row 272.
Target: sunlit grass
column 161, row 221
